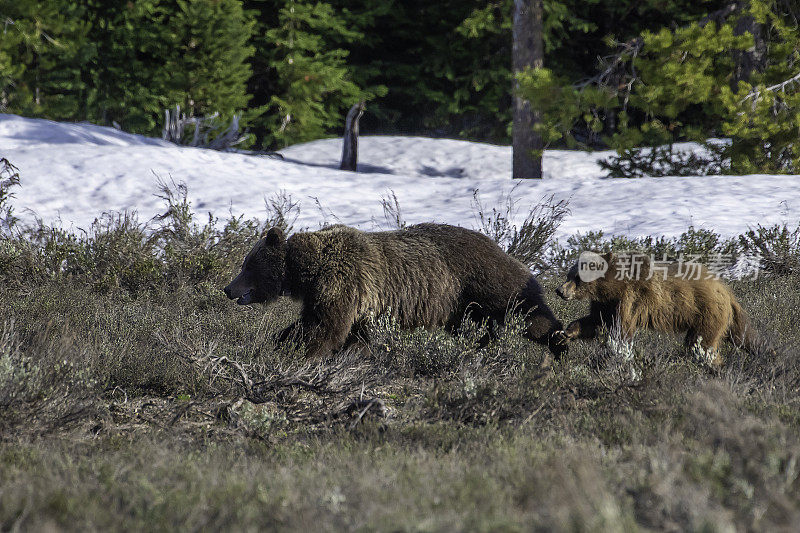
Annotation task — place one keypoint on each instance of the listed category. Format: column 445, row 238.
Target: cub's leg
column 588, row 327
column 708, row 338
column 583, row 328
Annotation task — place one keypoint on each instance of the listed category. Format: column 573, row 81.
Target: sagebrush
column 134, row 395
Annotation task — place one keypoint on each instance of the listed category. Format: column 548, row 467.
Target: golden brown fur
column 428, row 275
column 704, row 308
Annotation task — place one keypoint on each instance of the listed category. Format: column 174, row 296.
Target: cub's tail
column 743, row 334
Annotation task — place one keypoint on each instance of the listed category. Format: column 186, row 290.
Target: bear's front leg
column 327, row 332
column 292, row 332
column 317, row 339
column 329, row 313
column 543, row 328
column 325, row 340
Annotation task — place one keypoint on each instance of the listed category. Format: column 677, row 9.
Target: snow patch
column 72, row 173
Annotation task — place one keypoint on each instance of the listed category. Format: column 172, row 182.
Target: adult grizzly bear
column 427, row 275
column 637, row 294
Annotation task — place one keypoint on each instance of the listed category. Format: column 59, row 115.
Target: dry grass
column 134, row 396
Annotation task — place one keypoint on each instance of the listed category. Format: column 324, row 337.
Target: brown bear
column 634, row 293
column 428, row 275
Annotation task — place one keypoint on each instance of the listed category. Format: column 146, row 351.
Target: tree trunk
column 350, row 147
column 528, row 51
column 752, row 60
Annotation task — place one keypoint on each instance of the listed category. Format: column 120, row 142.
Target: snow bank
column 74, row 172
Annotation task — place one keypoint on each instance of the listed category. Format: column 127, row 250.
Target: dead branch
column 613, row 74
column 350, row 146
column 756, row 93
column 205, row 127
column 367, row 405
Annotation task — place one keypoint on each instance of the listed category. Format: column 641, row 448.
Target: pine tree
column 124, row 62
column 263, row 82
column 713, row 77
column 313, row 84
column 13, row 94
column 691, row 85
column 208, row 69
column 760, row 113
column 41, row 53
column 132, row 42
column 153, row 55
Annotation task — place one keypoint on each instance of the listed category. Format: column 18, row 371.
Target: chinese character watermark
column 690, row 267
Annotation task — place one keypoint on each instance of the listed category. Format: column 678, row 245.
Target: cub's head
column 263, row 272
column 585, row 275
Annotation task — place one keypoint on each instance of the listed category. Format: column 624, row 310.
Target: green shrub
column 777, row 247
column 701, row 243
column 9, row 177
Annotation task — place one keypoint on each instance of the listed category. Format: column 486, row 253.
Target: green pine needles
column 668, row 71
column 738, row 78
column 314, row 86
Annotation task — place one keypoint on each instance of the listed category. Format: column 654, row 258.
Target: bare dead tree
column 174, row 125
column 527, row 52
column 208, row 131
column 350, row 146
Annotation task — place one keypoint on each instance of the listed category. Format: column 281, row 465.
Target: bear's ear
column 607, row 256
column 274, row 236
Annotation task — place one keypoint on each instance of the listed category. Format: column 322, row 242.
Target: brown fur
column 705, row 309
column 428, row 275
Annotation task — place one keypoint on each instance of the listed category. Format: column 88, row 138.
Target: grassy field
column 135, row 396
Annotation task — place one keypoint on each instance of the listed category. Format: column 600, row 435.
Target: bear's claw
column 561, row 337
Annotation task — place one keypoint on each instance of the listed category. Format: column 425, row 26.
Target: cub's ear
column 274, row 236
column 607, row 256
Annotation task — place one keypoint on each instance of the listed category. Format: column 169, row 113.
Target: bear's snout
column 566, row 291
column 232, row 292
column 240, row 290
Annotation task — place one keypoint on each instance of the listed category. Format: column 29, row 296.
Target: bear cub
column 661, row 298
